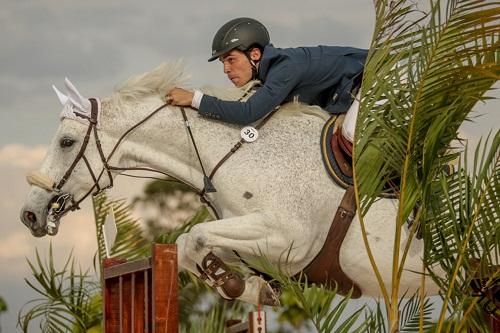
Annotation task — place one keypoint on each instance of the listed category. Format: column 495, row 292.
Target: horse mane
column 171, row 74
column 156, row 82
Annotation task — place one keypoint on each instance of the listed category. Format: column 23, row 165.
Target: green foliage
column 212, row 317
column 170, row 237
column 463, row 235
column 375, row 320
column 69, row 300
column 163, row 187
column 3, row 305
column 326, row 312
column 167, row 201
column 424, row 74
column 415, row 314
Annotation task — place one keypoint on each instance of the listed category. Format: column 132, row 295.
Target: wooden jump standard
column 142, row 296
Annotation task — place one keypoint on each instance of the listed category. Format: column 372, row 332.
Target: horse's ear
column 76, row 98
column 62, row 98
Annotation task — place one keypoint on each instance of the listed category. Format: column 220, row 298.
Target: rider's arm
column 279, row 83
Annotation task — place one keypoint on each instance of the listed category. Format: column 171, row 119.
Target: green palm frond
column 68, row 300
column 422, row 78
column 375, row 319
column 326, row 311
column 411, row 312
column 211, row 318
column 464, row 232
column 170, row 237
column 424, row 74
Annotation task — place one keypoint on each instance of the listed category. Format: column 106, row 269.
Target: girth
column 325, row 268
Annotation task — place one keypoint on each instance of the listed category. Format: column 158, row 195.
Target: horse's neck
column 163, row 142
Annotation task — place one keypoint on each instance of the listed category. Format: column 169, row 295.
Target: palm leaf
column 421, row 82
column 212, row 318
column 67, row 303
column 423, row 76
column 326, row 311
column 411, row 313
column 375, row 319
column 463, row 234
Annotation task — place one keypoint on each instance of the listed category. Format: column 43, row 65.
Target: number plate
column 249, row 134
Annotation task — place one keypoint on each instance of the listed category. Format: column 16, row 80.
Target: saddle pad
column 331, row 165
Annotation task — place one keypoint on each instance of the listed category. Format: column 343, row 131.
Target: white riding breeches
column 349, row 124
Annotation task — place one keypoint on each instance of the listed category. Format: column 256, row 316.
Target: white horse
column 273, row 194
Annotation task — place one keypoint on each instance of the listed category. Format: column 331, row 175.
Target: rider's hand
column 179, row 97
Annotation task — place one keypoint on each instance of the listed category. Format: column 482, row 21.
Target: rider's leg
column 349, row 124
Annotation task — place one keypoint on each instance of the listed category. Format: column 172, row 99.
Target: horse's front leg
column 207, row 246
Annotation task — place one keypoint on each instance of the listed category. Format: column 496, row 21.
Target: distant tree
column 165, row 205
column 3, row 307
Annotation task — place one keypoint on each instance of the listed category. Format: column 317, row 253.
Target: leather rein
column 57, row 212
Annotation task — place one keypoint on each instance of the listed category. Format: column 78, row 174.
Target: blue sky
column 100, row 43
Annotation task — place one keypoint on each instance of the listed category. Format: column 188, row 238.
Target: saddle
column 325, row 268
column 336, row 152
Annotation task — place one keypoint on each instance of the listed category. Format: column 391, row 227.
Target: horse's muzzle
column 31, row 221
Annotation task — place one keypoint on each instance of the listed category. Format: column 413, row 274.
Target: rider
column 327, row 76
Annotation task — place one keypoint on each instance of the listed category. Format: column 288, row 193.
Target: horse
column 272, row 195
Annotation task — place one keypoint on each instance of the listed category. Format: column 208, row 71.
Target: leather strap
column 325, row 268
column 238, row 146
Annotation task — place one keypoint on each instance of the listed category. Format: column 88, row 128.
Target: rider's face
column 237, row 67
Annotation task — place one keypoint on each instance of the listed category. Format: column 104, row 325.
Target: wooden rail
column 256, row 324
column 142, row 296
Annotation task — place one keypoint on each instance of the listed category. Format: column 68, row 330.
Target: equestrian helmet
column 241, row 34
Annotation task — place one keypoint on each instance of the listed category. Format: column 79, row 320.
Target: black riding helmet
column 241, row 34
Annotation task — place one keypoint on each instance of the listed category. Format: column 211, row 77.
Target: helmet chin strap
column 253, row 63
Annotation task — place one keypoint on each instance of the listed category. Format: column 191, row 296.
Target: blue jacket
column 322, row 75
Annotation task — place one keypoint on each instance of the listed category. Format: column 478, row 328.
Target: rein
column 58, row 211
column 105, row 161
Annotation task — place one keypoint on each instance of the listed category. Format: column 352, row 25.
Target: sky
column 98, row 44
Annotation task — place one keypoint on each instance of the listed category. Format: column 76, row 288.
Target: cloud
column 14, row 246
column 16, row 243
column 98, row 44
column 16, row 155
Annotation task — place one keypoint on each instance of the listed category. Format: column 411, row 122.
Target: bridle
column 61, row 209
column 56, row 187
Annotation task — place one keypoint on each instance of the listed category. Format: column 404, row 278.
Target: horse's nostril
column 29, row 216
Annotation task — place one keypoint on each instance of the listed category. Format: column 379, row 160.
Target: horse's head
column 89, row 145
column 72, row 168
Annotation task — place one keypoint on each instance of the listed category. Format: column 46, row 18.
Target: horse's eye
column 66, row 142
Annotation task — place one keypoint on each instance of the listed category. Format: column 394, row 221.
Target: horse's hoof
column 258, row 291
column 268, row 296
